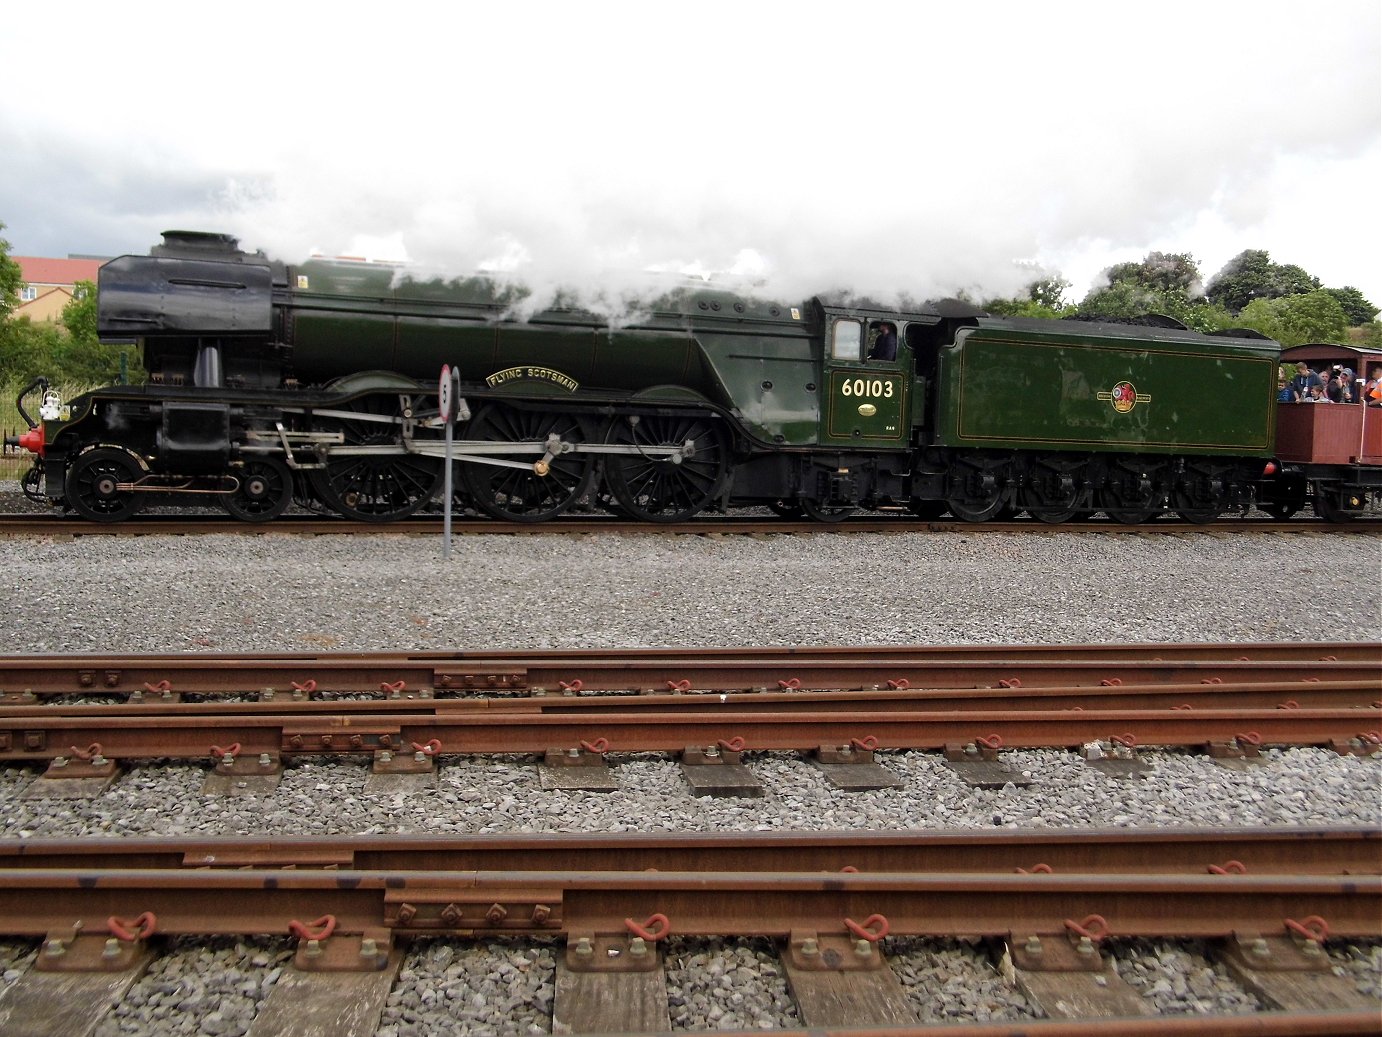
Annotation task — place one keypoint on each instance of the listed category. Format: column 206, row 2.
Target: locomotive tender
column 318, row 382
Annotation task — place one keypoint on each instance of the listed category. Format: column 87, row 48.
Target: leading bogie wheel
column 98, row 481
column 264, row 489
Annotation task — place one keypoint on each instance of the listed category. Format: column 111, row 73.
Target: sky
column 887, row 149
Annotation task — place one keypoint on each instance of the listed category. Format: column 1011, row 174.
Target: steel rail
column 35, row 737
column 1292, row 850
column 310, row 525
column 689, row 669
column 1364, row 694
column 213, row 901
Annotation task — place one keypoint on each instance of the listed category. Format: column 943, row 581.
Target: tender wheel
column 818, row 512
column 1131, row 497
column 659, row 488
column 381, row 487
column 521, row 495
column 93, row 485
column 979, row 491
column 1055, row 491
column 264, row 493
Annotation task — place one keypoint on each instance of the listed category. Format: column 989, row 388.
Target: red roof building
column 49, row 284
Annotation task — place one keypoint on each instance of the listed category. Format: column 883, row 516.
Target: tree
column 1297, row 319
column 11, row 277
column 1252, row 275
column 1045, row 298
column 1356, row 308
column 1160, row 272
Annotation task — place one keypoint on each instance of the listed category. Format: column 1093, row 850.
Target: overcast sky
column 879, row 147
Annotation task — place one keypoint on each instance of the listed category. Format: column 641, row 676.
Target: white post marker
column 446, row 405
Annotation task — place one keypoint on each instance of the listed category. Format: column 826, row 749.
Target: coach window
column 849, row 334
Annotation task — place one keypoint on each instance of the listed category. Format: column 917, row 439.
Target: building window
column 28, row 293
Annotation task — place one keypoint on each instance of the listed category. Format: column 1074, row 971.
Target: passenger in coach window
column 1284, row 392
column 885, row 345
column 1372, row 389
column 1304, row 379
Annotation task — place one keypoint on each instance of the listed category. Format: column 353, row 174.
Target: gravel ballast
column 159, row 593
column 392, row 592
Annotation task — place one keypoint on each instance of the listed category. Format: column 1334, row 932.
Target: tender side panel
column 1010, row 390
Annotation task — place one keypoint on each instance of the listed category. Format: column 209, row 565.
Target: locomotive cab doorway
column 864, row 402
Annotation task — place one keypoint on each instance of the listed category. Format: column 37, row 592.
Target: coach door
column 865, row 401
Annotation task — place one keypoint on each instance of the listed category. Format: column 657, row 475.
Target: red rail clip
column 1229, row 868
column 873, row 929
column 681, row 685
column 1036, row 869
column 990, row 741
column 734, row 745
column 1094, row 928
column 655, row 928
column 599, row 747
column 868, row 743
column 573, row 686
column 1127, row 741
column 1249, row 737
column 88, row 754
column 429, row 748
column 790, row 684
column 306, row 687
column 140, row 929
column 1111, row 682
column 901, row 684
column 318, row 930
column 1289, row 704
column 158, row 689
column 1312, row 928
column 1010, row 682
column 219, row 751
column 394, row 688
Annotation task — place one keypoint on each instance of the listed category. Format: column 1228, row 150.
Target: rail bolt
column 369, row 948
column 584, row 948
column 111, row 949
column 59, row 761
column 1085, row 946
column 265, row 760
column 385, row 756
column 1033, row 945
column 1260, row 948
column 809, row 947
column 638, row 947
column 863, row 949
column 54, row 948
column 314, row 948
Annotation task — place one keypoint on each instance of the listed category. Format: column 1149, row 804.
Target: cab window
column 848, row 336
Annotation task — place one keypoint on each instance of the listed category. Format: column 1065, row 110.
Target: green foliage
column 1252, row 275
column 1294, row 320
column 1045, row 299
column 1356, row 308
column 1372, row 335
column 1173, row 273
column 79, row 315
column 11, row 277
column 27, row 348
column 1164, row 282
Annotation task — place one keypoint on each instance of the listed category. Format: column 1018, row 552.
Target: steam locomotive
column 270, row 383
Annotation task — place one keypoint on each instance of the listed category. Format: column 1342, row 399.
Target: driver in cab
column 885, row 345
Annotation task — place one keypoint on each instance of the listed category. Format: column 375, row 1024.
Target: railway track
column 312, row 525
column 832, row 905
column 1224, row 698
column 571, row 671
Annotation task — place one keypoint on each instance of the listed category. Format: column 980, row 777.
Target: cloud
column 885, row 148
